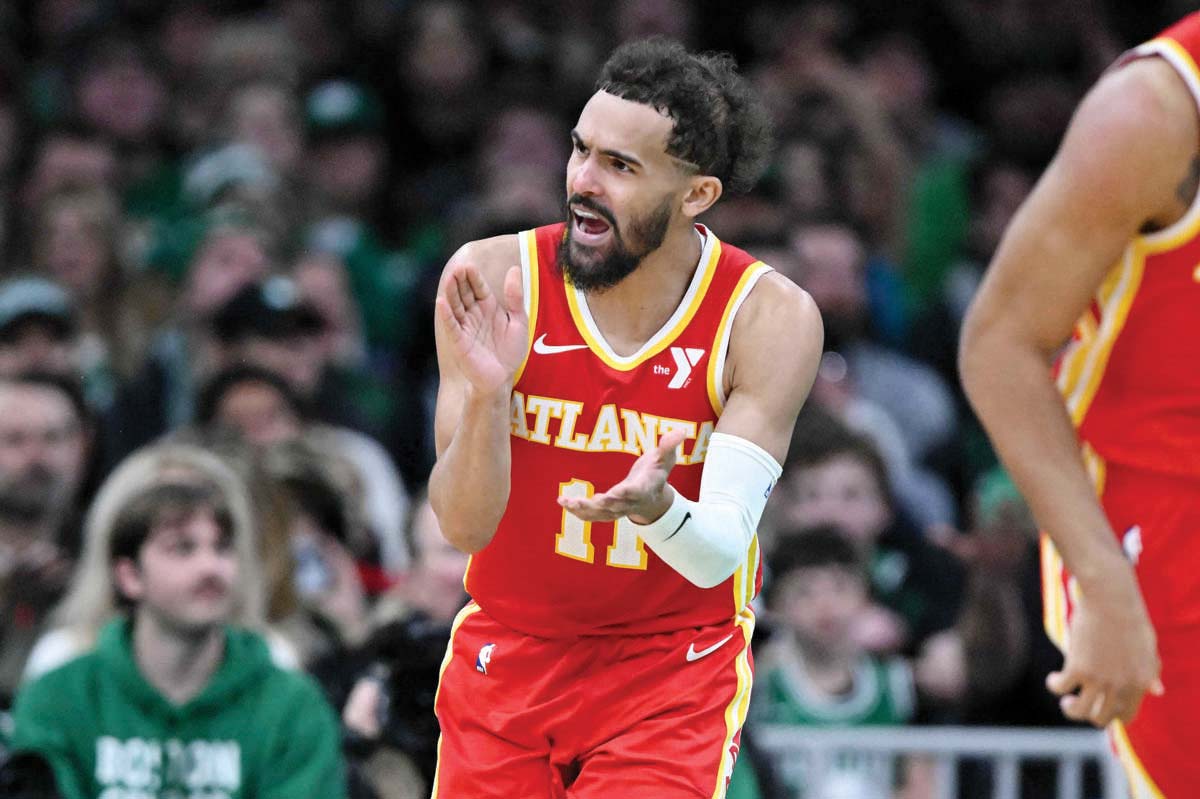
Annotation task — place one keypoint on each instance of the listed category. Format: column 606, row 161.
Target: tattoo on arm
column 1186, row 191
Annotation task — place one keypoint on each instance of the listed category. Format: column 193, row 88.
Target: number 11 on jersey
column 574, row 539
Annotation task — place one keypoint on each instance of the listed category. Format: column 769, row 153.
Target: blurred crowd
column 221, row 227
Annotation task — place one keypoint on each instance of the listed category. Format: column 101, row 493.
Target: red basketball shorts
column 1157, row 519
column 654, row 716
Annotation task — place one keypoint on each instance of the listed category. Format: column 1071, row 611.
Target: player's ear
column 702, row 192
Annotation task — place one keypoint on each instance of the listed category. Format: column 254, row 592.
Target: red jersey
column 581, row 415
column 1131, row 375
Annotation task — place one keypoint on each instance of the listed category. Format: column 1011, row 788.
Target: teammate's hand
column 1112, row 659
column 488, row 338
column 643, row 495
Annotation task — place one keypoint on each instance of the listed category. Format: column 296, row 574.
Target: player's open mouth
column 590, row 227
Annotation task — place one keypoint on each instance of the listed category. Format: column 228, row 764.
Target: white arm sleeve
column 706, row 541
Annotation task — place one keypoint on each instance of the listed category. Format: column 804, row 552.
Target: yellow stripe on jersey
column 1075, row 356
column 735, row 711
column 529, row 286
column 663, row 338
column 1054, row 589
column 745, row 577
column 470, row 609
column 1054, row 606
column 720, row 348
column 1116, row 296
column 1141, row 784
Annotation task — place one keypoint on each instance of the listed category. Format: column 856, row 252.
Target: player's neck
column 635, row 309
column 177, row 665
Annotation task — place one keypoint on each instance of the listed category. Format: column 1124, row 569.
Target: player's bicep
column 775, row 350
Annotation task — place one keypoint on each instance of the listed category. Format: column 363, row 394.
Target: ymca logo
column 484, row 658
column 685, row 359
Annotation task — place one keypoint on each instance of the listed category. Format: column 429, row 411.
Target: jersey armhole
column 527, row 244
column 720, row 349
column 1184, row 65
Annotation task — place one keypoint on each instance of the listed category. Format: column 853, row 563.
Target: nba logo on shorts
column 484, row 658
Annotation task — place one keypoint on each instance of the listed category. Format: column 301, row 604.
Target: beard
column 32, row 496
column 591, row 270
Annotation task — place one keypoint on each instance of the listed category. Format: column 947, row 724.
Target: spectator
column 265, row 116
column 119, row 95
column 66, row 158
column 349, row 159
column 391, row 704
column 173, row 697
column 326, row 536
column 229, row 254
column 814, row 672
column 76, row 240
column 264, row 408
column 38, row 328
column 833, row 270
column 836, row 477
column 44, row 440
column 907, row 409
column 92, row 600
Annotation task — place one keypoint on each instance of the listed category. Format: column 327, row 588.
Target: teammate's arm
column 775, row 348
column 1117, row 173
column 481, row 331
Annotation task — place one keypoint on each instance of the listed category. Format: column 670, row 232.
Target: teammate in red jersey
column 617, row 393
column 1106, row 447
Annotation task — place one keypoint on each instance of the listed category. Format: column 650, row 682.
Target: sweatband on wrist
column 707, row 540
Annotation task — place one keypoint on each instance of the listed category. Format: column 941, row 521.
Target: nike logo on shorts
column 693, row 655
column 542, row 348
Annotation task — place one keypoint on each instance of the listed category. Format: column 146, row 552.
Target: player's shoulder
column 1146, row 97
column 492, row 256
column 775, row 298
column 1130, row 139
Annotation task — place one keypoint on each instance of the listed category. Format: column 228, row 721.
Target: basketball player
column 617, row 393
column 1107, row 446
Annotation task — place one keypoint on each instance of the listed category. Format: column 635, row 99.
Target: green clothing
column 881, row 693
column 744, row 784
column 254, row 732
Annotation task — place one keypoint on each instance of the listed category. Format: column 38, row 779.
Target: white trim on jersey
column 585, row 313
column 1174, row 54
column 721, row 348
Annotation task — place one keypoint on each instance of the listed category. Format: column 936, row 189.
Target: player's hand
column 643, row 495
column 1112, row 660
column 488, row 338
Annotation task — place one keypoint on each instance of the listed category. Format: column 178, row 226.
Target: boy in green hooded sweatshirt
column 174, row 702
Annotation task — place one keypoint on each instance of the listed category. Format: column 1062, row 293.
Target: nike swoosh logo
column 693, row 655
column 686, row 516
column 542, row 348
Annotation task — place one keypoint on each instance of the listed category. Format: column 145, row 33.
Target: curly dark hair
column 720, row 124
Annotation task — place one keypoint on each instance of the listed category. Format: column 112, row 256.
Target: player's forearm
column 470, row 482
column 1013, row 393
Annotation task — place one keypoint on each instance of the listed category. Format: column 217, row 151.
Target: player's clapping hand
column 643, row 495
column 488, row 337
column 1112, row 659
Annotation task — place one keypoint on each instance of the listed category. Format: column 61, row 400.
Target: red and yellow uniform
column 571, row 620
column 1131, row 382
